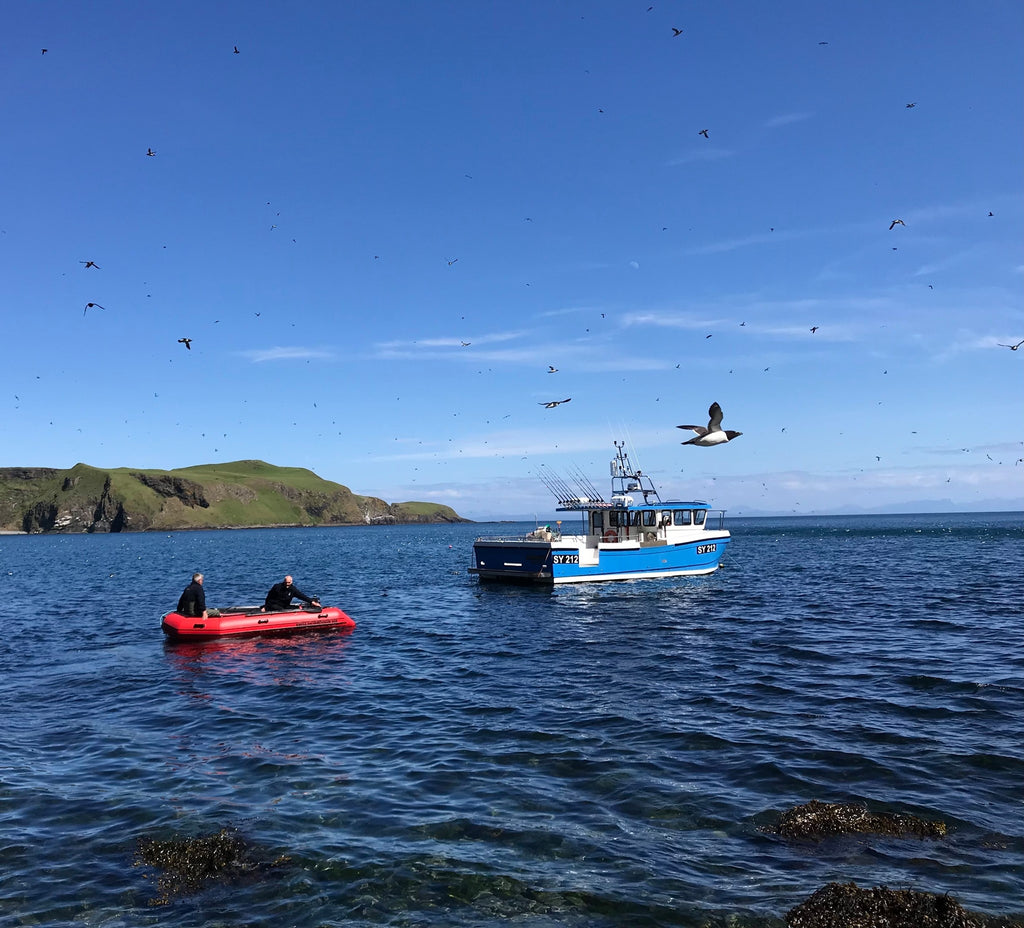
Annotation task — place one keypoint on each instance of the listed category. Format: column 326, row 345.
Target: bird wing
column 699, row 429
column 715, row 412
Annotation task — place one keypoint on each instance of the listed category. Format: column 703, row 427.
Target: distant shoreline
column 239, row 528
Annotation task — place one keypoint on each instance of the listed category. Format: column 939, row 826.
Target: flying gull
column 187, row 342
column 554, row 403
column 713, row 434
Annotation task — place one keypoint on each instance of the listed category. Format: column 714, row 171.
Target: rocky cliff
column 234, row 495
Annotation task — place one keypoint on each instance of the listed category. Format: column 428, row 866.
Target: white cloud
column 786, row 119
column 281, row 353
column 700, row 154
column 669, row 320
column 448, row 341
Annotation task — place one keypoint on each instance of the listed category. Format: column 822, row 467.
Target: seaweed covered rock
column 189, row 864
column 846, row 905
column 816, row 819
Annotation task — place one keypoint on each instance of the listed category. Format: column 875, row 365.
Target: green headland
column 238, row 494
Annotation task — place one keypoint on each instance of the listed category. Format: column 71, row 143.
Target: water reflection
column 284, row 661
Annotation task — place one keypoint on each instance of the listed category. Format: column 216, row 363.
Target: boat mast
column 630, row 480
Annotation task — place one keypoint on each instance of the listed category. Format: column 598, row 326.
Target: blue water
column 595, row 755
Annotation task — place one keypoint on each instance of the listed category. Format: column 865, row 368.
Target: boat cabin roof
column 628, row 505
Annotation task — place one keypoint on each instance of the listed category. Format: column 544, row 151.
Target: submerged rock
column 846, row 905
column 819, row 819
column 188, row 864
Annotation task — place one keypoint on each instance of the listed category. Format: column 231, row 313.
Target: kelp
column 189, row 864
column 816, row 819
column 846, row 905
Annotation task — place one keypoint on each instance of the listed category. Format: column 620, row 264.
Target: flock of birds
column 709, row 435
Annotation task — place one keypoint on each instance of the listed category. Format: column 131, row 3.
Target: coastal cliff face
column 234, row 495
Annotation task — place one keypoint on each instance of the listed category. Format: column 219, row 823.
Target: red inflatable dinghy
column 250, row 621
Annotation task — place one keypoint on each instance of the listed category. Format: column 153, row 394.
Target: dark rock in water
column 820, row 819
column 845, row 905
column 188, row 864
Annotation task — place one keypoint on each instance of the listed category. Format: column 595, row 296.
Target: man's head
column 288, row 581
column 197, row 578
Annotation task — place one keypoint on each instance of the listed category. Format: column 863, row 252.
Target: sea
column 609, row 754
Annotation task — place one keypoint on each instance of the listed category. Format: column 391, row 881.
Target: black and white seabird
column 713, row 434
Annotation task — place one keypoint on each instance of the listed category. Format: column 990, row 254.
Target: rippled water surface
column 599, row 755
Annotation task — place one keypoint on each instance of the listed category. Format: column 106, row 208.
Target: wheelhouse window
column 699, row 515
column 681, row 517
column 635, row 518
column 596, row 523
column 650, row 517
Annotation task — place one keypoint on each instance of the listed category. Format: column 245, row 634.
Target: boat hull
column 251, row 621
column 539, row 562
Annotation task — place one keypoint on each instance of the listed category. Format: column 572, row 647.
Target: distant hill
column 238, row 494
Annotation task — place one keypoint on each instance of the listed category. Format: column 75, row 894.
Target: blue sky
column 380, row 224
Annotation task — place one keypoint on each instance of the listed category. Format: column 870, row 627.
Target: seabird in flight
column 554, row 403
column 713, row 434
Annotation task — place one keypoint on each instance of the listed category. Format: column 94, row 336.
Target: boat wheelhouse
column 621, row 539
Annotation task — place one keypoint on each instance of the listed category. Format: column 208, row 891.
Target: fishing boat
column 619, row 539
column 252, row 621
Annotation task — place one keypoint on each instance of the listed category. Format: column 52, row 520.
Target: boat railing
column 530, row 536
column 715, row 515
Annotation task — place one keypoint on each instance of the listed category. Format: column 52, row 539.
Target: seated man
column 281, row 594
column 192, row 602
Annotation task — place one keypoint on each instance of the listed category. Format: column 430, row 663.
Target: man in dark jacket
column 193, row 599
column 281, row 594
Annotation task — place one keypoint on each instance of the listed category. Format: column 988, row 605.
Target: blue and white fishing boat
column 622, row 539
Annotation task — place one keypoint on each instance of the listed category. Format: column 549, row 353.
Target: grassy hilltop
column 233, row 495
